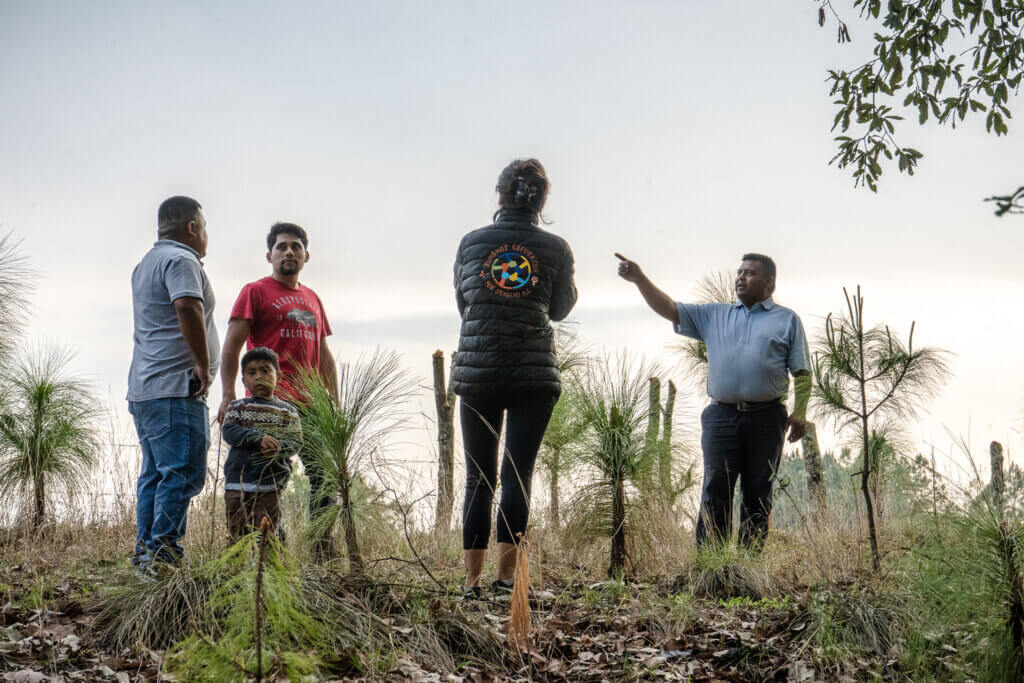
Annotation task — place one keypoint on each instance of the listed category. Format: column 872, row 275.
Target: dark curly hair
column 523, row 185
column 260, row 353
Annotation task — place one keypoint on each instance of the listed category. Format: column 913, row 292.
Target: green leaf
column 1000, row 127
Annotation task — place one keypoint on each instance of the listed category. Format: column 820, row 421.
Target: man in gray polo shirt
column 753, row 346
column 175, row 356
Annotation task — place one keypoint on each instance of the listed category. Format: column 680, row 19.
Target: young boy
column 264, row 433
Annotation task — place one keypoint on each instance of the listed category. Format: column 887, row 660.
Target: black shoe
column 501, row 587
column 471, row 593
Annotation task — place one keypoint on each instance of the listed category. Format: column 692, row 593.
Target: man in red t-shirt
column 281, row 314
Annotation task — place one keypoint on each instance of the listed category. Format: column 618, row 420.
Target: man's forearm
column 234, row 340
column 660, row 302
column 193, row 328
column 228, row 370
column 329, row 372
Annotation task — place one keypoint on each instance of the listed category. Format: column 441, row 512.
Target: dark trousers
column 321, row 497
column 482, row 419
column 245, row 511
column 744, row 445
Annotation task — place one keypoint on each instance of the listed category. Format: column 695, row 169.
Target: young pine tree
column 866, row 379
column 349, row 436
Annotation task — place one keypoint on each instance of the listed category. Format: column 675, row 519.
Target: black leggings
column 482, row 418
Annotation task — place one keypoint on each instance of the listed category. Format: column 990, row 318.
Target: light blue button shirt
column 161, row 360
column 750, row 351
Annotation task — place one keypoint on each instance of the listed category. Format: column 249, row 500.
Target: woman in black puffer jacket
column 511, row 280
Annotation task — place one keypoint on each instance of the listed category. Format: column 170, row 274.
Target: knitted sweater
column 246, row 422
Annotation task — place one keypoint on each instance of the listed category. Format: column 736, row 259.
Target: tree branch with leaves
column 944, row 59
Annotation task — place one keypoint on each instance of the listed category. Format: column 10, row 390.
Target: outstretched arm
column 660, row 302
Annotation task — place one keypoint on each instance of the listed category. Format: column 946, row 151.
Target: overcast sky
column 679, row 133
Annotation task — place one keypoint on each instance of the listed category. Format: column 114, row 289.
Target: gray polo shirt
column 750, row 351
column 161, row 362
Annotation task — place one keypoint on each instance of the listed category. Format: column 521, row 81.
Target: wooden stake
column 444, row 401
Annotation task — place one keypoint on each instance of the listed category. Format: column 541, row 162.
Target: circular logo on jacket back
column 510, row 271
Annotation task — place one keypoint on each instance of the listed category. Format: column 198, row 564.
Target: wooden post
column 995, row 451
column 653, row 418
column 444, row 401
column 554, row 509
column 665, row 448
column 812, row 464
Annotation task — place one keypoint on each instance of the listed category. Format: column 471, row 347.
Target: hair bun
column 525, row 192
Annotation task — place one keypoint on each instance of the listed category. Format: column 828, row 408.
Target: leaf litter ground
column 580, row 632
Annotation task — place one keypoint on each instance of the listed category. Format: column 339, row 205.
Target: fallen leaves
column 628, row 638
column 45, row 645
column 592, row 632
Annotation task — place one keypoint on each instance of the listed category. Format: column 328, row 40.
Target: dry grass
column 724, row 573
column 395, row 613
column 133, row 613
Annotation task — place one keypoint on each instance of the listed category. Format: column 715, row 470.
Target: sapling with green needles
column 867, row 380
column 344, row 435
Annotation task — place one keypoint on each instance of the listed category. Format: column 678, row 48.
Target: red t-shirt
column 289, row 321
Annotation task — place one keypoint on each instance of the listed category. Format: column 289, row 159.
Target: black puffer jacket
column 511, row 280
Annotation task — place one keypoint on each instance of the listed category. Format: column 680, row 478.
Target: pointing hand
column 628, row 270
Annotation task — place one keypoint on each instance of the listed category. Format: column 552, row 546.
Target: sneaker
column 503, row 587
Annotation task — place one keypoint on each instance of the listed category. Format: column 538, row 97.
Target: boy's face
column 260, row 378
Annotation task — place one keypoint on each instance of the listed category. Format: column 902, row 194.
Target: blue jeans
column 174, row 434
column 745, row 446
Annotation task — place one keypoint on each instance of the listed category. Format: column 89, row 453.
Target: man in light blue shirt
column 174, row 358
column 753, row 346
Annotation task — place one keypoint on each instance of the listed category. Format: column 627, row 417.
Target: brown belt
column 751, row 406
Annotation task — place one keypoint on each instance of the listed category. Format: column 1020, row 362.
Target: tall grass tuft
column 133, row 613
column 722, row 572
column 17, row 279
column 48, row 437
column 612, row 395
column 964, row 603
column 349, row 438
